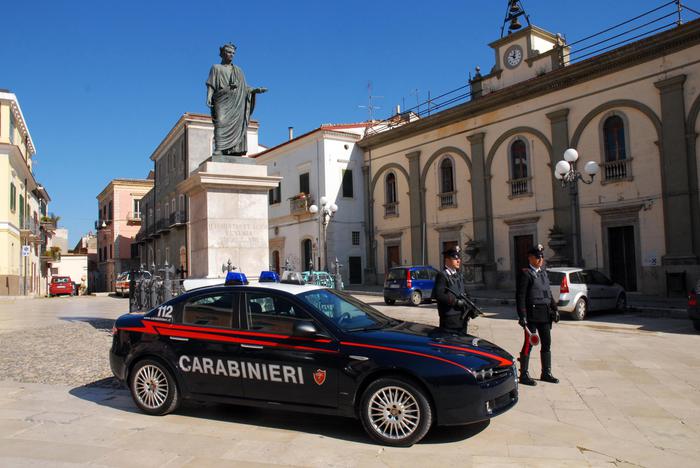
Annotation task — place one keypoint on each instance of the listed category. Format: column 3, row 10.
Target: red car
column 61, row 285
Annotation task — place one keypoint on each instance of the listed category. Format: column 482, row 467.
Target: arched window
column 617, row 162
column 390, row 192
column 447, row 184
column 446, row 176
column 519, row 179
column 614, row 137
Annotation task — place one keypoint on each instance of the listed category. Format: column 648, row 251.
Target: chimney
column 398, row 109
column 291, row 133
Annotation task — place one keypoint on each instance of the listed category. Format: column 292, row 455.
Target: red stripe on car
column 405, row 351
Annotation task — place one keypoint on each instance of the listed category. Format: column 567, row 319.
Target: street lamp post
column 565, row 172
column 325, row 213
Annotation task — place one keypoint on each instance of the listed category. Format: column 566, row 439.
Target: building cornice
column 318, row 133
column 19, row 118
column 636, row 53
column 142, row 183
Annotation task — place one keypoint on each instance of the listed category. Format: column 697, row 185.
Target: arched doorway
column 276, row 261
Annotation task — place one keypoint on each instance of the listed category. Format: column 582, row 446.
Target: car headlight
column 482, row 374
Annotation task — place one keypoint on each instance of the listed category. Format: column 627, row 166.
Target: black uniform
column 450, row 313
column 537, row 309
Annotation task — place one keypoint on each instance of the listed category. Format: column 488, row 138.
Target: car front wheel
column 153, row 388
column 416, row 298
column 580, row 310
column 621, row 304
column 696, row 324
column 395, row 412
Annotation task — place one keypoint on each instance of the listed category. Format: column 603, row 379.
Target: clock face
column 514, row 56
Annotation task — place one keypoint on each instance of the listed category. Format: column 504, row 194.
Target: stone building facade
column 480, row 175
column 164, row 234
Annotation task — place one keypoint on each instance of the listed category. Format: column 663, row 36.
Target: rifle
column 472, row 310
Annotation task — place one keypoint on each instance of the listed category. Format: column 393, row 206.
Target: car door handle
column 251, row 346
column 178, row 338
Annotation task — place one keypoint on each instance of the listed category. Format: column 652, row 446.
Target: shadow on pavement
column 101, row 324
column 111, row 393
column 632, row 320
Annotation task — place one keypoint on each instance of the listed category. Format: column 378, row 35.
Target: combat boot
column 525, row 379
column 547, row 368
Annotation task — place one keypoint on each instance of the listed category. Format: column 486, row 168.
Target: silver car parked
column 581, row 291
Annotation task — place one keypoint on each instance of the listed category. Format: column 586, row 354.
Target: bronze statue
column 232, row 102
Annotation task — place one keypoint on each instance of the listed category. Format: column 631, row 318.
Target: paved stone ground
column 629, row 396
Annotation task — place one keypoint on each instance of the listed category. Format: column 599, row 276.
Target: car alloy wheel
column 580, row 309
column 416, row 298
column 153, row 388
column 621, row 305
column 395, row 412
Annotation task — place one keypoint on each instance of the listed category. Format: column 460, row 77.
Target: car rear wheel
column 395, row 412
column 696, row 324
column 153, row 388
column 580, row 310
column 621, row 304
column 416, row 298
column 388, row 301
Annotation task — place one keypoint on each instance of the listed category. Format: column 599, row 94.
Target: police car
column 311, row 349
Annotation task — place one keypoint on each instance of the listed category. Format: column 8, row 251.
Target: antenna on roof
column 370, row 105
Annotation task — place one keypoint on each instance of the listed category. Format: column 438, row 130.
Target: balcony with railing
column 102, row 223
column 162, row 225
column 391, row 209
column 30, row 228
column 299, row 204
column 133, row 217
column 448, row 199
column 48, row 223
column 615, row 171
column 520, row 187
column 178, row 218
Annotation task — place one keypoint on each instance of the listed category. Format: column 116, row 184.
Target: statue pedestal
column 228, row 218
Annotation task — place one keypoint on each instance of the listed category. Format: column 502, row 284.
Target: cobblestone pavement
column 629, row 396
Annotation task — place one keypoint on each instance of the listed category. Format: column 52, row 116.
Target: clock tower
column 520, row 55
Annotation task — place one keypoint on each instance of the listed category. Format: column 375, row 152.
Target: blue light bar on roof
column 235, row 278
column 269, row 277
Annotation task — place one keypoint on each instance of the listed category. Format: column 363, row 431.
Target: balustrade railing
column 519, row 186
column 447, row 199
column 616, row 170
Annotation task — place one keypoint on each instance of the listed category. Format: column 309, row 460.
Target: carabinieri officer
column 537, row 309
column 450, row 307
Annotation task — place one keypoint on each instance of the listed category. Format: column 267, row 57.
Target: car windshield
column 396, row 274
column 346, row 312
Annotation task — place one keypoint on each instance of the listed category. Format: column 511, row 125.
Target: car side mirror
column 305, row 328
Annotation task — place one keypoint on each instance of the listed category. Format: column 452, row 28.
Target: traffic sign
column 25, row 250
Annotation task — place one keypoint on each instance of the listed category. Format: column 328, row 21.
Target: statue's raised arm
column 232, row 102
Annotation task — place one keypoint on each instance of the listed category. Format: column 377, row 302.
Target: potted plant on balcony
column 49, row 222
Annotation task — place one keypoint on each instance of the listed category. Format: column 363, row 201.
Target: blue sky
column 101, row 83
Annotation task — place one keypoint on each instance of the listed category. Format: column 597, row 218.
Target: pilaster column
column 559, row 125
column 370, row 265
column 481, row 199
column 675, row 174
column 415, row 197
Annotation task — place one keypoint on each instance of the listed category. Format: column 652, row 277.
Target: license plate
column 395, row 286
